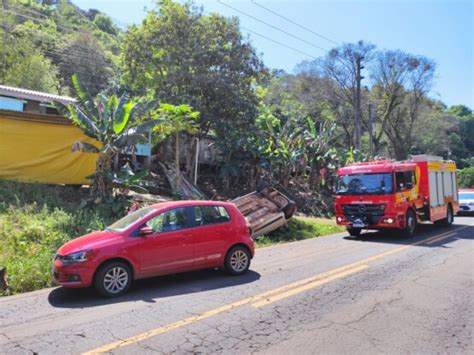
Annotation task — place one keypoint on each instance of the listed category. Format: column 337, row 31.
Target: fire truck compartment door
column 433, row 189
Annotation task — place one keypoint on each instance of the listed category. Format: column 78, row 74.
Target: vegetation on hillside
column 45, row 42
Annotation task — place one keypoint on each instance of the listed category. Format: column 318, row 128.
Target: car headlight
column 78, row 257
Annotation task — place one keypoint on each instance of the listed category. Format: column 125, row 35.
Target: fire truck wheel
column 449, row 217
column 354, row 232
column 410, row 224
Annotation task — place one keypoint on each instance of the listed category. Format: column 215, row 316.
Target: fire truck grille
column 363, row 210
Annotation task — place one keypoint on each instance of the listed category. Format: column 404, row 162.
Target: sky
column 440, row 30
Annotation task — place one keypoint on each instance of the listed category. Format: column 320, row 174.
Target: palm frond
column 84, row 100
column 123, row 114
column 130, row 140
column 84, row 147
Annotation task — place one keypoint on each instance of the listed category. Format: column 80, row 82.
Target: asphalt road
column 377, row 294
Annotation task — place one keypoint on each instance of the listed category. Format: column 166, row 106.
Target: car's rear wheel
column 354, row 232
column 113, row 279
column 237, row 261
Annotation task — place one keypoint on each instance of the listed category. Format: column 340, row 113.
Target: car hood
column 91, row 241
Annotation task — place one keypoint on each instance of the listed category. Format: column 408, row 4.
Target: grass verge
column 298, row 228
column 37, row 219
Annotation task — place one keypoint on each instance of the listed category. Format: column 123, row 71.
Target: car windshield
column 125, row 222
column 364, row 184
column 466, row 195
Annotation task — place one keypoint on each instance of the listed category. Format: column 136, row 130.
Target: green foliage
column 175, row 120
column 25, row 66
column 182, row 56
column 112, row 122
column 56, row 41
column 37, row 219
column 466, row 177
column 83, row 55
column 298, row 229
column 105, row 24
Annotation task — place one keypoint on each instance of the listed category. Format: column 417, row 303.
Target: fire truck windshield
column 365, row 184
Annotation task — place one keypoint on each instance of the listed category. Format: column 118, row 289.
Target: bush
column 298, row 229
column 35, row 220
column 466, row 177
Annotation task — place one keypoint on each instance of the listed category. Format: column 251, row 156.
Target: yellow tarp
column 39, row 150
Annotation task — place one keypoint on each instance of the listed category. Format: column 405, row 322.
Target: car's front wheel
column 113, row 279
column 237, row 261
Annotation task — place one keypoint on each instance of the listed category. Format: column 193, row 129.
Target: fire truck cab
column 396, row 194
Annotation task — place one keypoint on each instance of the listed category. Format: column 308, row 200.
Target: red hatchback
column 160, row 239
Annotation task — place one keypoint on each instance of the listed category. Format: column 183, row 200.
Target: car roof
column 186, row 203
column 466, row 190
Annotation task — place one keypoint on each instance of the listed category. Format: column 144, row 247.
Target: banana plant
column 111, row 122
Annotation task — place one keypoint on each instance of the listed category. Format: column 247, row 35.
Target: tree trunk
column 178, row 172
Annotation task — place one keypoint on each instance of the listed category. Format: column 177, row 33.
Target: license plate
column 358, row 225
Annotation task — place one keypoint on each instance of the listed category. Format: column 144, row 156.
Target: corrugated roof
column 25, row 94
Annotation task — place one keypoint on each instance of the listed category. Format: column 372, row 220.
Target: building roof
column 25, row 94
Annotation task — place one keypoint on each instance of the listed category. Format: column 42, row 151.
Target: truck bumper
column 384, row 222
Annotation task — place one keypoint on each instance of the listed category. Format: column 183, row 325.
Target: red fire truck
column 396, row 194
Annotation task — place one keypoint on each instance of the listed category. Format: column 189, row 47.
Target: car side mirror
column 146, row 231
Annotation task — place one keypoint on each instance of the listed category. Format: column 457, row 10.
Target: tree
column 24, row 66
column 182, row 56
column 175, row 121
column 110, row 121
column 340, row 66
column 465, row 119
column 83, row 55
column 401, row 83
column 466, row 177
column 105, row 24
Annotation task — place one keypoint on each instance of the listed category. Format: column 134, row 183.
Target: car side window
column 205, row 215
column 171, row 220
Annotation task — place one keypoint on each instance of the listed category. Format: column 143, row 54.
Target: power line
column 294, row 23
column 277, row 42
column 70, row 29
column 271, row 39
column 272, row 26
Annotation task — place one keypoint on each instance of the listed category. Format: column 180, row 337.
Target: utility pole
column 357, row 112
column 371, row 132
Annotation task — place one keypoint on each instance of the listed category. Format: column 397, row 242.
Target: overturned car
column 266, row 209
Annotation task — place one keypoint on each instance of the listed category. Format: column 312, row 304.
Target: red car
column 160, row 239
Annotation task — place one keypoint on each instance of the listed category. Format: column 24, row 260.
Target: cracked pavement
column 418, row 300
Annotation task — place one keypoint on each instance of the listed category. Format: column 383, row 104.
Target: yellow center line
column 269, row 296
column 440, row 238
column 308, row 286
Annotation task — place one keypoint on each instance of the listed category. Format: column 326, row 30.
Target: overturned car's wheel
column 237, row 261
column 289, row 210
column 262, row 186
